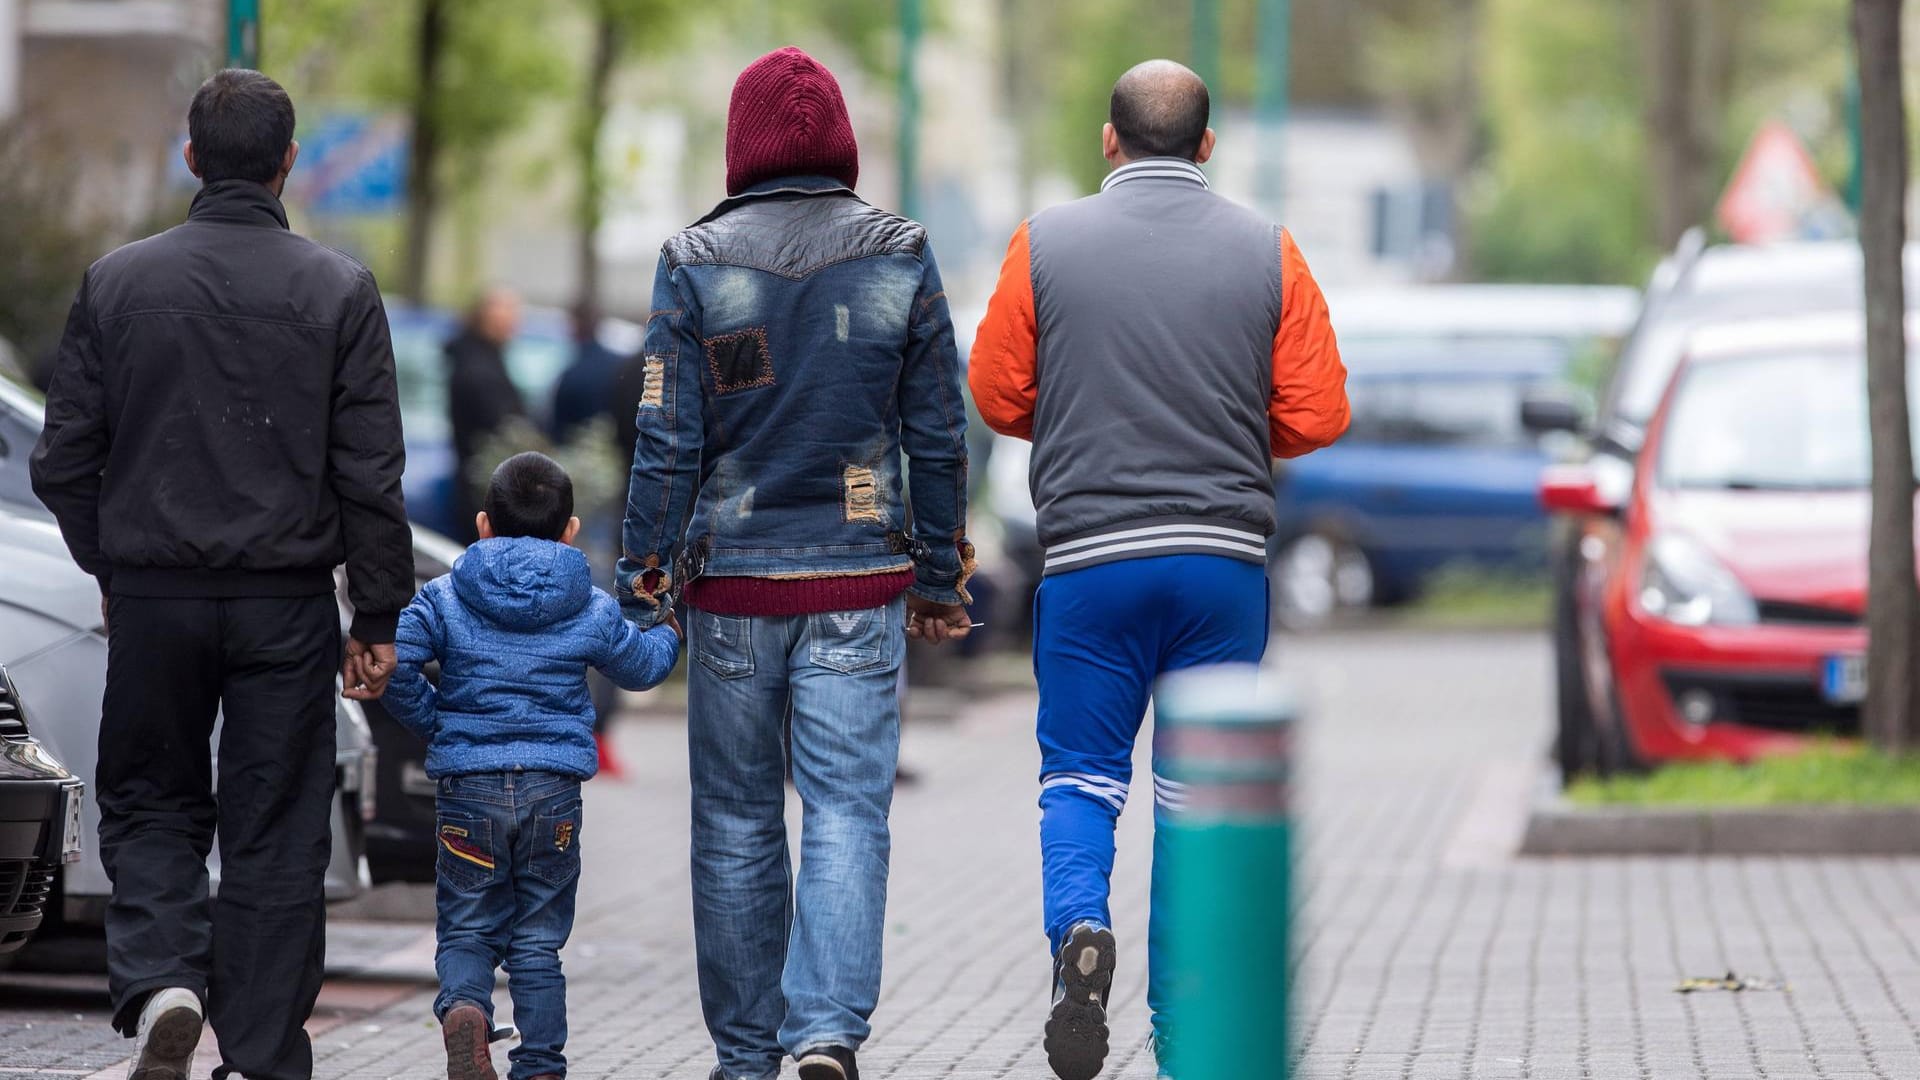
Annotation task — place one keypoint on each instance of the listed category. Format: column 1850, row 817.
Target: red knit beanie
column 787, row 118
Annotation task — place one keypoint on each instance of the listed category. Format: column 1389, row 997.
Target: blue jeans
column 509, row 864
column 1101, row 637
column 784, row 967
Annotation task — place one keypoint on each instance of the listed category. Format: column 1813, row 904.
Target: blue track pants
column 1102, row 636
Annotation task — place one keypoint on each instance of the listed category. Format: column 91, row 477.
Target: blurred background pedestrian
column 481, row 397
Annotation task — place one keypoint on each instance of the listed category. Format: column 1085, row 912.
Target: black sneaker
column 1076, row 1040
column 827, row 1063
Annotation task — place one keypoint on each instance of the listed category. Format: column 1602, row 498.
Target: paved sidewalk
column 1426, row 950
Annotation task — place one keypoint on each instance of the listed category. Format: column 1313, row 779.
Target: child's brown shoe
column 466, row 1033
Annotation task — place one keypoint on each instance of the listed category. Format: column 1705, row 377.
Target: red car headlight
column 1682, row 583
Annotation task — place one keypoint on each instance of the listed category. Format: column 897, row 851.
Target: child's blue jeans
column 509, row 863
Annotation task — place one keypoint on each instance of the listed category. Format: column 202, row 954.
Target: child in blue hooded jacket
column 510, row 736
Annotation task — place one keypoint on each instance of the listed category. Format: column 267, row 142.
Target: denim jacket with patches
column 799, row 344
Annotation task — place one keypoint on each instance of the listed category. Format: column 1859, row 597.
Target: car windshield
column 1463, row 391
column 1782, row 422
column 1443, row 411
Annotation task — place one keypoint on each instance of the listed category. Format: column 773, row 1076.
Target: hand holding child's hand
column 670, row 620
column 365, row 670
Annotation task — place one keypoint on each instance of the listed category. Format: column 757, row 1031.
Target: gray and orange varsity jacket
column 1159, row 344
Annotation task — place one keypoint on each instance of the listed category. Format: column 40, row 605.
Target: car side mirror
column 1578, row 489
column 1541, row 413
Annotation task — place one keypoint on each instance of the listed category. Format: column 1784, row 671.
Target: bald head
column 1159, row 109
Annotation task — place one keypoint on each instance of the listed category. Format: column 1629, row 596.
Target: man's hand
column 934, row 623
column 105, row 603
column 365, row 670
column 673, row 621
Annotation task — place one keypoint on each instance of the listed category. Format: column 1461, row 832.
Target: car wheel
column 1617, row 755
column 1317, row 577
column 1576, row 748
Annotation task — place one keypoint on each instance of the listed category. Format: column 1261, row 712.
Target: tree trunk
column 1019, row 65
column 1893, row 607
column 1689, row 50
column 606, row 53
column 1454, row 144
column 423, row 187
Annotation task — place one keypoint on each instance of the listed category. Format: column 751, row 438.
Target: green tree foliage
column 1563, row 196
column 1064, row 57
column 1565, row 189
column 495, row 61
column 501, row 59
column 48, row 247
column 1059, row 63
column 869, row 29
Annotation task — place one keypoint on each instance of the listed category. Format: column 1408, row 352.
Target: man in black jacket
column 222, row 430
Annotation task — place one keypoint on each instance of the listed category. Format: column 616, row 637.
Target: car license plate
column 1843, row 679
column 70, row 836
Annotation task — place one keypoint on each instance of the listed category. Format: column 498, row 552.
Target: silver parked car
column 52, row 645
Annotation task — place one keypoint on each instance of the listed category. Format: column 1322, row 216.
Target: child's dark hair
column 530, row 495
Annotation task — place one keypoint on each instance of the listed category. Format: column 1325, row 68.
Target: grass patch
column 1826, row 774
column 1465, row 598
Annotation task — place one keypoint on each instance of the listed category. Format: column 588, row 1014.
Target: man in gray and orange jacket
column 1159, row 345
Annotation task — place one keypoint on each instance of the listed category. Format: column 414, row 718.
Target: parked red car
column 1721, row 585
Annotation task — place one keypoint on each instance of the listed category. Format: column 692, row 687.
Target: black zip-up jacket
column 223, row 421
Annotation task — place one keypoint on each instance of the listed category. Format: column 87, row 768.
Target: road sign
column 351, row 163
column 1776, row 193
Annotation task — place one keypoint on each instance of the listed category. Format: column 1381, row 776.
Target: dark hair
column 530, row 495
column 1159, row 109
column 241, row 123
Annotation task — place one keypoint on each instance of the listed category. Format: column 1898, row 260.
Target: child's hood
column 522, row 583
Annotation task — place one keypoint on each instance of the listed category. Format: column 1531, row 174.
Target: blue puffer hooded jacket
column 515, row 627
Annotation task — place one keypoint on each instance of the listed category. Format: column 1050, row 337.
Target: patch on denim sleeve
column 653, row 389
column 862, row 494
column 563, row 836
column 739, row 361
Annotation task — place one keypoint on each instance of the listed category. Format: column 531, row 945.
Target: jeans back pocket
column 467, row 856
column 724, row 644
column 554, row 854
column 850, row 642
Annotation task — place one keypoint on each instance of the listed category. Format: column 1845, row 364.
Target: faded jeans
column 786, row 966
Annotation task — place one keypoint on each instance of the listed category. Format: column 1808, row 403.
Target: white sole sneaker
column 169, row 1032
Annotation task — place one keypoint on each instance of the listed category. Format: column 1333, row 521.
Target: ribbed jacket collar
column 1156, row 168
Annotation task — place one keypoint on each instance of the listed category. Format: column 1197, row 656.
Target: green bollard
column 1223, row 735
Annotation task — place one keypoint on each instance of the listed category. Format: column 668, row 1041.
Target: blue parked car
column 1441, row 466
column 535, row 358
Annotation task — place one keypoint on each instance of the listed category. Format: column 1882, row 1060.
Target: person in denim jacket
column 799, row 344
column 510, row 736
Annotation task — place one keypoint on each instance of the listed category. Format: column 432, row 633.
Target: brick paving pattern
column 1424, row 950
